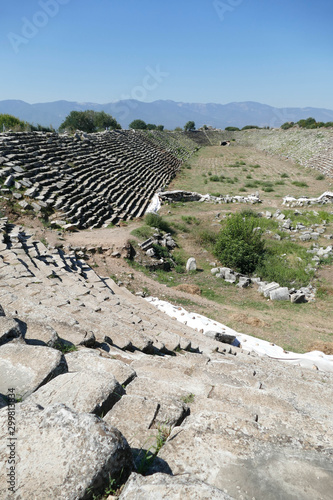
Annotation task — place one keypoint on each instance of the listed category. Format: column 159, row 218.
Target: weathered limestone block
column 62, row 454
column 266, row 289
column 164, row 487
column 9, row 329
column 92, row 361
column 191, row 264
column 83, row 391
column 281, row 293
column 27, row 367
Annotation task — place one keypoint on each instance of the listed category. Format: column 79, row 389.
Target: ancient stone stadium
column 103, row 395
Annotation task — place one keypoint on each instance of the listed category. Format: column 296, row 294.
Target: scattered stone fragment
column 221, row 337
column 191, row 264
column 298, row 298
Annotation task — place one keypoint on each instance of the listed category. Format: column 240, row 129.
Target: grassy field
column 239, row 170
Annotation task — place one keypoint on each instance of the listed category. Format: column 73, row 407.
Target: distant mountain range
column 171, row 114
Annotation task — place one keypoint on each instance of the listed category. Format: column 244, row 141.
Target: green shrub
column 300, row 184
column 320, row 177
column 161, row 252
column 143, row 232
column 287, row 271
column 284, row 176
column 206, row 237
column 190, row 219
column 239, row 246
column 155, row 220
column 247, row 127
column 252, row 184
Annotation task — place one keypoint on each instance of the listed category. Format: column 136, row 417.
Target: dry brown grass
column 325, row 347
column 248, row 320
column 192, row 289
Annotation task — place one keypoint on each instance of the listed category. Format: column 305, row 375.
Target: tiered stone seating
column 311, row 148
column 44, row 282
column 91, row 179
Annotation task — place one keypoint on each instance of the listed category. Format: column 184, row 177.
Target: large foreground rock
column 61, row 454
column 162, row 486
column 27, row 367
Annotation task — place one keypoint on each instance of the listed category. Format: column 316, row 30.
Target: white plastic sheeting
column 314, row 359
column 154, row 205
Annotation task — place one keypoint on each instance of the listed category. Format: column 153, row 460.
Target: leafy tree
column 308, row 123
column 12, row 122
column 239, row 244
column 189, row 126
column 89, row 121
column 160, row 127
column 138, row 125
column 78, row 120
column 232, row 129
column 247, row 127
column 151, row 126
column 287, row 125
column 103, row 120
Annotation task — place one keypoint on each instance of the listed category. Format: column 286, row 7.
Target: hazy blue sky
column 275, row 52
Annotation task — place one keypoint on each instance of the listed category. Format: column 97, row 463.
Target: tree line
column 88, row 121
column 307, row 123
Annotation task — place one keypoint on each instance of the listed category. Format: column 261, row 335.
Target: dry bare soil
column 297, row 327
